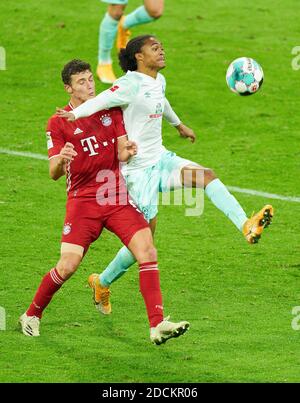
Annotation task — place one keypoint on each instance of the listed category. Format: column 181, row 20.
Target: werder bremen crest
column 159, row 108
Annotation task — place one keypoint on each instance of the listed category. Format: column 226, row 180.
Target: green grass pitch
column 238, row 298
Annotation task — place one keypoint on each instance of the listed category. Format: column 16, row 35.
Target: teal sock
column 137, row 17
column 117, row 267
column 223, row 200
column 107, row 34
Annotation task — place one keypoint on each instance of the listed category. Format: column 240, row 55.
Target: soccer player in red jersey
column 88, row 154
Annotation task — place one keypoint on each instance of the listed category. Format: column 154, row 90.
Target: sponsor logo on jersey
column 78, row 131
column 147, row 94
column 90, row 145
column 158, row 112
column 106, row 120
column 155, row 116
column 49, row 140
column 67, row 228
column 114, row 88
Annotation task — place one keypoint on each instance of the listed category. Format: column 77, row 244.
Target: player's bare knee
column 147, row 253
column 151, row 253
column 154, row 8
column 116, row 11
column 209, row 176
column 67, row 266
column 156, row 13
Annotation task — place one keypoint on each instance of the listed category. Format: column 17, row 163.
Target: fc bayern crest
column 67, row 229
column 106, row 120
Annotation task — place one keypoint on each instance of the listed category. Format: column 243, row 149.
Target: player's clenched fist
column 68, row 152
column 131, row 147
column 186, row 132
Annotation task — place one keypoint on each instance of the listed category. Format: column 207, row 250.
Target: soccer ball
column 244, row 76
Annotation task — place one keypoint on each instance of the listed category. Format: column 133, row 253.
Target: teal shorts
column 144, row 185
column 122, row 2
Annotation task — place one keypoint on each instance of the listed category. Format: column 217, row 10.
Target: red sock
column 150, row 290
column 48, row 287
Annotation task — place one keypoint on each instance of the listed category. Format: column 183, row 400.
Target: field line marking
column 231, row 188
column 264, row 194
column 23, row 154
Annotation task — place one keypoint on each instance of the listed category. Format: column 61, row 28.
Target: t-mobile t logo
column 90, row 144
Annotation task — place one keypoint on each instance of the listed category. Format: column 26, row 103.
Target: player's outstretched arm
column 88, row 108
column 126, row 149
column 118, row 95
column 57, row 164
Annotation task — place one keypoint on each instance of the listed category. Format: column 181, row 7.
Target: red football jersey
column 95, row 141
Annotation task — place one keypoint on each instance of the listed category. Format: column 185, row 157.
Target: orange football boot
column 105, row 73
column 123, row 35
column 101, row 294
column 255, row 225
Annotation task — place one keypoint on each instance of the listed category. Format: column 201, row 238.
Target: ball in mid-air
column 244, row 76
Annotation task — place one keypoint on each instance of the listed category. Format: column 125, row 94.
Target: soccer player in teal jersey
column 115, row 23
column 141, row 94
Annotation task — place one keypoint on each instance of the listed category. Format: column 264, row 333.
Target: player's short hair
column 127, row 58
column 75, row 66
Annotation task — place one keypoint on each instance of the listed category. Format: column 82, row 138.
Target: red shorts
column 85, row 219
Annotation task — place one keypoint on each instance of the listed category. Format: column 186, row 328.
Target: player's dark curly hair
column 127, row 58
column 75, row 66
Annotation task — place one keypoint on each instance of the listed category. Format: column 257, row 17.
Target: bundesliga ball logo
column 244, row 76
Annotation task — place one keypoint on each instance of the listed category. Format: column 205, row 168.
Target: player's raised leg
column 150, row 11
column 216, row 191
column 50, row 284
column 107, row 34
